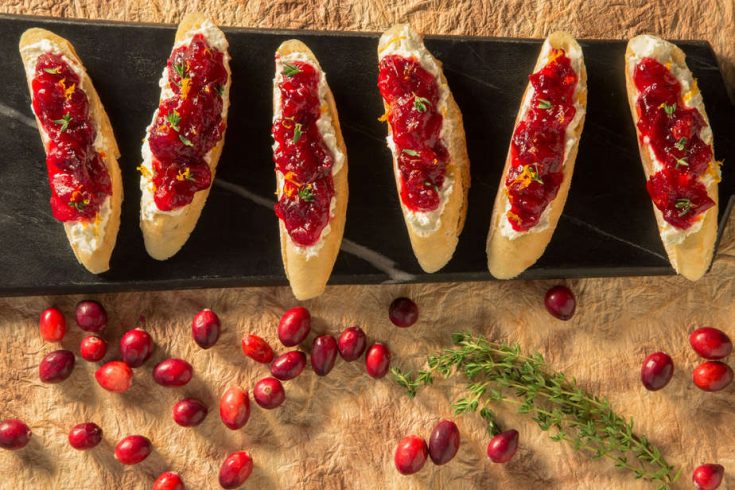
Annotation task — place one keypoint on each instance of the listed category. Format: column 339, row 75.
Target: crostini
column 540, row 163
column 427, row 140
column 183, row 143
column 675, row 143
column 311, row 169
column 81, row 151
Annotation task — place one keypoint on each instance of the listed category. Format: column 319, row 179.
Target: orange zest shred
column 513, row 217
column 143, row 170
column 185, row 87
column 554, row 54
column 384, row 117
column 393, row 40
column 525, row 177
column 185, row 175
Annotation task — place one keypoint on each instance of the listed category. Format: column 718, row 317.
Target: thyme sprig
column 499, row 372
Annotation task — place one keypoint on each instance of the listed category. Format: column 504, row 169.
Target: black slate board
column 607, row 228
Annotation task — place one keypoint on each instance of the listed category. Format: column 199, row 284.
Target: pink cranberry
column 411, row 455
column 352, row 343
column 403, row 312
column 14, row 434
column 711, row 343
column 56, row 366
column 708, row 476
column 85, row 436
column 133, row 449
column 656, row 371
column 257, row 349
column 444, row 442
column 136, row 347
column 269, row 393
column 52, row 325
column 234, row 407
column 205, row 328
column 189, row 412
column 168, row 480
column 173, row 372
column 377, row 360
column 323, row 354
column 294, row 326
column 560, row 302
column 289, row 365
column 91, row 316
column 115, row 376
column 235, row 470
column 93, row 348
column 503, row 446
column 712, row 376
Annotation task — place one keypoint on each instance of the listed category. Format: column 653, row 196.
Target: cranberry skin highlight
column 708, row 476
column 52, row 325
column 323, row 354
column 656, row 371
column 173, row 372
column 190, row 412
column 205, row 328
column 85, row 436
column 56, row 366
column 289, row 365
column 560, row 302
column 235, row 469
column 377, row 360
column 91, row 316
column 712, row 376
column 92, row 348
column 269, row 393
column 411, row 455
column 294, row 326
column 444, row 442
column 710, row 343
column 352, row 343
column 234, row 408
column 168, row 480
column 503, row 446
column 115, row 376
column 133, row 449
column 257, row 349
column 14, row 434
column 136, row 347
column 403, row 312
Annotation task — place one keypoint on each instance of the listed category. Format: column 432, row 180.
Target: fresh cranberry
column 91, row 316
column 503, row 446
column 289, row 365
column 294, row 326
column 56, row 366
column 52, row 325
column 444, row 442
column 189, row 412
column 711, row 343
column 14, row 434
column 136, row 347
column 377, row 360
column 411, row 455
column 708, row 476
column 168, row 480
column 234, row 407
column 257, row 349
column 93, row 348
column 323, row 354
column 656, row 371
column 85, row 436
column 115, row 376
column 560, row 302
column 133, row 449
column 403, row 312
column 352, row 343
column 269, row 393
column 173, row 372
column 205, row 328
column 712, row 376
column 235, row 470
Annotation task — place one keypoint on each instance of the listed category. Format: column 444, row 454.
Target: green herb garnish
column 682, row 162
column 63, row 122
column 306, row 193
column 173, row 119
column 297, row 133
column 290, row 70
column 544, row 104
column 533, row 172
column 409, row 152
column 221, row 90
column 684, row 206
column 420, row 103
column 669, row 109
column 52, row 71
column 185, row 140
column 180, row 69
column 679, row 145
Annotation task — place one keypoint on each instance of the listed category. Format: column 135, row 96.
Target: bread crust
column 97, row 261
column 692, row 257
column 434, row 250
column 308, row 276
column 507, row 258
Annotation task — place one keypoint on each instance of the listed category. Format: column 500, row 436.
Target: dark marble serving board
column 607, row 228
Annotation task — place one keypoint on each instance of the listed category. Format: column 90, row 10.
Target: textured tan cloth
column 341, row 431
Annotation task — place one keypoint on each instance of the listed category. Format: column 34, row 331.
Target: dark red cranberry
column 91, row 316
column 711, row 343
column 352, row 343
column 52, row 325
column 234, row 407
column 269, row 393
column 323, row 354
column 560, row 302
column 257, row 349
column 503, row 446
column 14, row 434
column 712, row 376
column 56, row 366
column 189, row 412
column 444, row 442
column 133, row 449
column 411, row 455
column 377, row 360
column 85, row 436
column 92, row 348
column 136, row 347
column 168, row 480
column 289, row 365
column 656, row 371
column 205, row 328
column 115, row 376
column 294, row 326
column 708, row 476
column 173, row 372
column 235, row 470
column 403, row 312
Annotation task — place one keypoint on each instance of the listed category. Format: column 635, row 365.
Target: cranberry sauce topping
column 188, row 124
column 77, row 174
column 539, row 142
column 412, row 96
column 301, row 156
column 673, row 132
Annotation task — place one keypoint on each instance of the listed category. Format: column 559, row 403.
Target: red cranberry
column 56, row 366
column 93, row 348
column 403, row 312
column 168, row 481
column 289, row 365
column 560, row 302
column 269, row 393
column 294, row 326
column 444, row 442
column 411, row 455
column 234, row 407
column 205, row 328
column 235, row 470
column 52, row 325
column 708, row 476
column 115, row 376
column 14, row 434
column 173, row 372
column 352, row 343
column 712, row 376
column 133, row 449
column 503, row 446
column 656, row 371
column 136, row 347
column 323, row 354
column 91, row 316
column 377, row 360
column 711, row 343
column 257, row 349
column 190, row 412
column 85, row 436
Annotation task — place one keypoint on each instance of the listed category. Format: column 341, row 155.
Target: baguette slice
column 509, row 256
column 307, row 272
column 165, row 232
column 91, row 242
column 434, row 247
column 693, row 255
